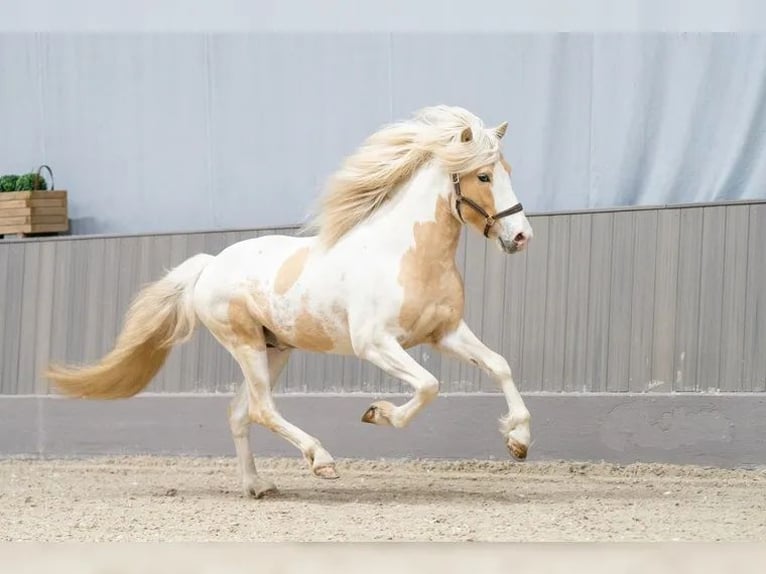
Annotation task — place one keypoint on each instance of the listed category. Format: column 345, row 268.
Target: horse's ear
column 500, row 130
column 466, row 135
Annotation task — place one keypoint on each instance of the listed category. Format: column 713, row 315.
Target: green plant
column 26, row 182
column 8, row 182
column 31, row 181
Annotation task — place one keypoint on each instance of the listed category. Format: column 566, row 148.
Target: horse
column 371, row 274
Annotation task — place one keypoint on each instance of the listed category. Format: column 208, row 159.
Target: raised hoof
column 378, row 414
column 260, row 489
column 518, row 451
column 327, row 472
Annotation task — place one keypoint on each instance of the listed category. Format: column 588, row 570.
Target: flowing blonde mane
column 389, row 157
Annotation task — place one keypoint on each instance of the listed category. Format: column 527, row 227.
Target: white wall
column 179, row 124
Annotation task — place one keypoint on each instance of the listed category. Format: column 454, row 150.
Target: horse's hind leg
column 239, row 421
column 262, row 410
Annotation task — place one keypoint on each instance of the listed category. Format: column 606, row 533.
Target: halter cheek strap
column 489, row 220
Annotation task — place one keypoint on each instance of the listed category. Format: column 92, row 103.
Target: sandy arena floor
column 198, row 499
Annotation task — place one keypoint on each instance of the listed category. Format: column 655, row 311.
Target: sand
column 183, row 499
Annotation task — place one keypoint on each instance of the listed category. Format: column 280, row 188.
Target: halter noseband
column 489, row 220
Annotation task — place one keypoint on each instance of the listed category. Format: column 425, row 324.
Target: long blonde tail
column 161, row 316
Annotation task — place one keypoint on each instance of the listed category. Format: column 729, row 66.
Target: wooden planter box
column 27, row 212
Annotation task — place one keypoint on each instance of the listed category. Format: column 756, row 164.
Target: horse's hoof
column 369, row 415
column 518, row 451
column 327, row 472
column 379, row 413
column 260, row 488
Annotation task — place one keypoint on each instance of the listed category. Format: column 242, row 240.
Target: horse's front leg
column 514, row 427
column 386, row 353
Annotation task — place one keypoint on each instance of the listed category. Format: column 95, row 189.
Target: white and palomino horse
column 377, row 277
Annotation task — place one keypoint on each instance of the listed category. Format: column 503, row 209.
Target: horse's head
column 484, row 199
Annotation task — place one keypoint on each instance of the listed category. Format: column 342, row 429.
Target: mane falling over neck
column 370, row 176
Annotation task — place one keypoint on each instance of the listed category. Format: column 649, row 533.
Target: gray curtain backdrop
column 159, row 132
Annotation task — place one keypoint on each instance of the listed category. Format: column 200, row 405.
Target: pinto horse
column 371, row 275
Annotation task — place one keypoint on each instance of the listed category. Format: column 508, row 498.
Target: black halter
column 489, row 220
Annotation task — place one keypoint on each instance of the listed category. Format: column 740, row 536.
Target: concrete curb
column 723, row 430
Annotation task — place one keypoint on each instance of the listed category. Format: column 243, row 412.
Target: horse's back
column 251, row 260
column 266, row 250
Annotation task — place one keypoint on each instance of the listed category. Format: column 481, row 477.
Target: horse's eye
column 484, row 177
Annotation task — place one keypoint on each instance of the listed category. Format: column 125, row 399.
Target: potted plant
column 27, row 206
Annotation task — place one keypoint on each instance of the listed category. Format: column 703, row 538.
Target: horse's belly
column 311, row 328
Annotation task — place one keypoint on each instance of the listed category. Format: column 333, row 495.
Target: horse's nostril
column 520, row 238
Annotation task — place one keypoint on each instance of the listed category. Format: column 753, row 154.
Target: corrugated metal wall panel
column 711, row 299
column 576, row 318
column 665, row 300
column 734, row 305
column 28, row 325
column 533, row 324
column 557, row 285
column 599, row 295
column 754, row 378
column 620, row 296
column 638, row 300
column 642, row 301
column 43, row 327
column 688, row 296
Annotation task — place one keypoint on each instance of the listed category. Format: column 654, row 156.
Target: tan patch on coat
column 297, row 327
column 290, row 270
column 481, row 193
column 245, row 329
column 310, row 332
column 433, row 289
column 342, row 332
column 303, row 330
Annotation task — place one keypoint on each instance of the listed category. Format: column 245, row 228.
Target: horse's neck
column 421, row 208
